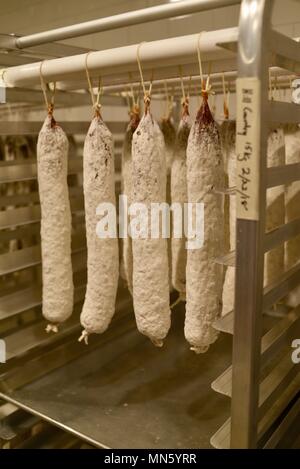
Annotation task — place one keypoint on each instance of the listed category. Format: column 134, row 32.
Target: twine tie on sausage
column 134, row 109
column 199, row 349
column 205, row 84
column 178, row 300
column 135, row 100
column 147, row 93
column 184, row 98
column 157, row 342
column 95, row 99
column 84, row 337
column 51, row 328
column 49, row 103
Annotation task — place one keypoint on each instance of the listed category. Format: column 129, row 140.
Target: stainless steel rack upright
column 257, row 401
column 262, row 381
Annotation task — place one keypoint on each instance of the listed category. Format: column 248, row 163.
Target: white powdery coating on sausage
column 292, row 200
column 229, row 155
column 52, row 166
column 127, row 266
column 150, row 258
column 179, row 195
column 204, row 277
column 103, row 258
column 275, row 215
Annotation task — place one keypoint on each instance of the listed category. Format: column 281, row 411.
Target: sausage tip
column 51, row 328
column 157, row 342
column 199, row 349
column 84, row 337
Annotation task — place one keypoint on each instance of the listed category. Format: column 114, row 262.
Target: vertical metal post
column 252, row 131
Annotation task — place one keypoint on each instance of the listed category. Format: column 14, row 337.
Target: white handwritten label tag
column 247, row 148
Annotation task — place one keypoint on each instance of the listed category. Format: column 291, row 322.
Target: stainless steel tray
column 124, row 392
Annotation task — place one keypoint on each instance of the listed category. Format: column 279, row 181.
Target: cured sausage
column 169, row 134
column 103, row 258
column 127, row 264
column 204, row 277
column 52, row 165
column 179, row 195
column 150, row 257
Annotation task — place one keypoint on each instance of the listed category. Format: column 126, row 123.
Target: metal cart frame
column 254, row 416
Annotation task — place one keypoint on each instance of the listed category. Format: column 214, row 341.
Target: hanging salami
column 103, row 258
column 127, row 263
column 179, row 195
column 150, row 258
column 204, row 277
column 52, row 168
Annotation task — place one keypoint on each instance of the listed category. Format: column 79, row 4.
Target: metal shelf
column 152, row 394
column 20, row 429
column 221, row 439
column 278, row 336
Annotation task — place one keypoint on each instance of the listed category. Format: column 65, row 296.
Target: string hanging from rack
column 134, row 109
column 225, row 98
column 185, row 97
column 48, row 102
column 178, row 300
column 205, row 84
column 147, row 93
column 95, row 99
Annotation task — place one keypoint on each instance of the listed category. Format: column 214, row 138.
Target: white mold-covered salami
column 229, row 155
column 127, row 262
column 179, row 195
column 52, row 165
column 292, row 207
column 204, row 277
column 150, row 258
column 103, row 258
column 274, row 259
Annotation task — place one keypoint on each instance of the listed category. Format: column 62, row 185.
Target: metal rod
column 121, row 60
column 254, row 26
column 145, row 15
